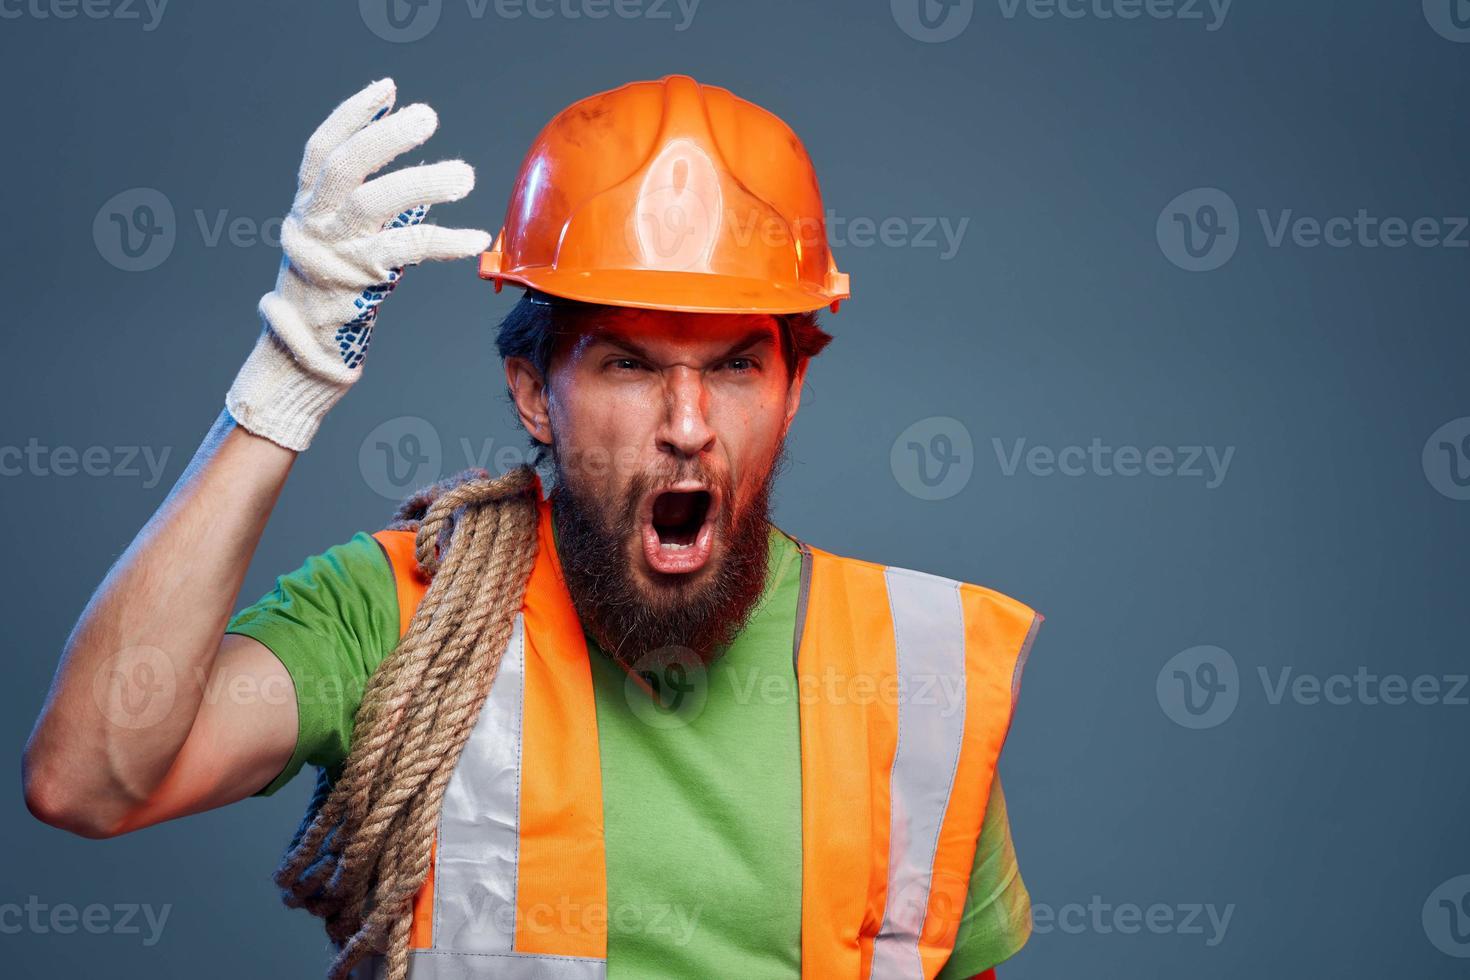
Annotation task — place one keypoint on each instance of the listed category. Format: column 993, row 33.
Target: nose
column 685, row 430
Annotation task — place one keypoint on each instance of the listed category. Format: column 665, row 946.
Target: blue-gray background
column 1333, row 544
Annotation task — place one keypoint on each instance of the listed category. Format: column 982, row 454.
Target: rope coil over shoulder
column 363, row 849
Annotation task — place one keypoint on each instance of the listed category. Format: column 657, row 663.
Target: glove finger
column 382, row 199
column 400, row 247
column 369, row 150
column 349, row 117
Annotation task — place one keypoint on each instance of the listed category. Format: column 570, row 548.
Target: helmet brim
column 688, row 292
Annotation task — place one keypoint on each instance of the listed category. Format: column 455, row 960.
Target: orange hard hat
column 669, row 195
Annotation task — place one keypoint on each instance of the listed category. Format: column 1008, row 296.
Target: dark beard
column 679, row 622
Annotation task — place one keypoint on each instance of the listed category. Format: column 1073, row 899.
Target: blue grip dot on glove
column 354, row 336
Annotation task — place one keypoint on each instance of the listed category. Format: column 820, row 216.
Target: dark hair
column 534, row 327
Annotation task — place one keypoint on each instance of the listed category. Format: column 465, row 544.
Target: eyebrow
column 751, row 339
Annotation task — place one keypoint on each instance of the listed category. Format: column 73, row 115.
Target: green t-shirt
column 701, row 794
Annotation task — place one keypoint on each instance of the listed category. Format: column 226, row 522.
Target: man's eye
column 741, row 365
column 626, row 364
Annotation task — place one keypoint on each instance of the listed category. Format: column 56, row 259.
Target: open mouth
column 679, row 531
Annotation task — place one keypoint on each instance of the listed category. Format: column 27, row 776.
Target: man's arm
column 996, row 919
column 127, row 737
column 141, row 723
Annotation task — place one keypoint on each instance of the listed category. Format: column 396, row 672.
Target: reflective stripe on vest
column 906, row 685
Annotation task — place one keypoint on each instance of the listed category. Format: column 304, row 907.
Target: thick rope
column 362, row 851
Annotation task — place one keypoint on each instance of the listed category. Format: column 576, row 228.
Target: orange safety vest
column 906, row 685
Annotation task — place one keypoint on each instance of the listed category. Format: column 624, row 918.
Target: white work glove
column 346, row 243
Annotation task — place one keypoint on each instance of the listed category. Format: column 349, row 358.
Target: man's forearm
column 130, row 681
column 125, row 738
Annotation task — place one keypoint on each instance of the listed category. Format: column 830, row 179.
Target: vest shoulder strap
column 1004, row 626
column 526, row 766
column 410, row 583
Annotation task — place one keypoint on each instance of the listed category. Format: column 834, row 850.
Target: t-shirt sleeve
column 330, row 622
column 997, row 917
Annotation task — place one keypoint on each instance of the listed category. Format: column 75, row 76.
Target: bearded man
column 621, row 725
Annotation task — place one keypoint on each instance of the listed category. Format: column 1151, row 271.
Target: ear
column 528, row 391
column 793, row 394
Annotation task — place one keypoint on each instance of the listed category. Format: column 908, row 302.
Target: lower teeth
column 671, row 546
